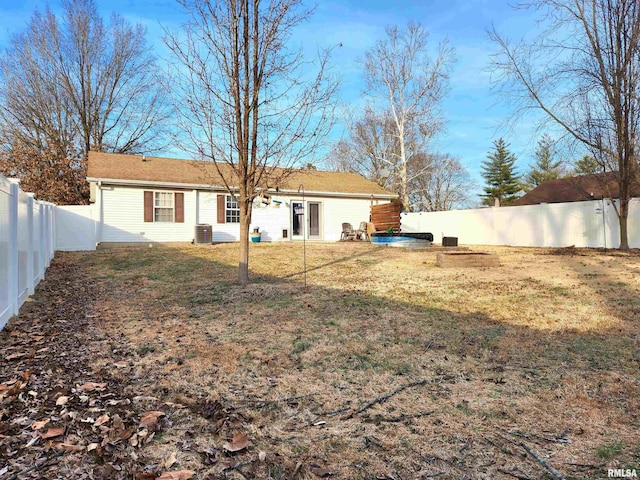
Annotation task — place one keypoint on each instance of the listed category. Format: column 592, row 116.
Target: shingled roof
column 576, row 189
column 132, row 168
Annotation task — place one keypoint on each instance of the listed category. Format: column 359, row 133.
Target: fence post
column 13, row 247
column 54, row 233
column 50, row 230
column 47, row 233
column 30, row 276
column 42, row 262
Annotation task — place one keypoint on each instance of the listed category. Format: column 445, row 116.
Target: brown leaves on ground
column 320, row 471
column 40, row 424
column 55, row 404
column 53, row 432
column 149, row 419
column 240, row 441
column 136, row 357
column 177, row 475
column 91, row 386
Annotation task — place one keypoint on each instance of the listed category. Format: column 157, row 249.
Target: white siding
column 208, row 213
column 271, row 220
column 333, row 213
column 122, row 216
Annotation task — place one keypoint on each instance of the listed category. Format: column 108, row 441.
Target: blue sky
column 475, row 117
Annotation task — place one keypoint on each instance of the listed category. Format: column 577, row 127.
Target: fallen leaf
column 223, row 465
column 321, row 472
column 68, row 447
column 118, row 424
column 13, row 390
column 177, row 475
column 53, row 432
column 240, row 441
column 92, row 446
column 14, row 356
column 103, row 419
column 146, row 476
column 149, row 419
column 40, row 424
column 90, row 386
column 171, row 459
column 62, row 400
column 262, row 456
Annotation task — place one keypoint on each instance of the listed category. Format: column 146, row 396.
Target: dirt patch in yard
column 385, row 367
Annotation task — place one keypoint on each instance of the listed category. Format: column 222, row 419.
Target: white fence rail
column 583, row 224
column 27, row 242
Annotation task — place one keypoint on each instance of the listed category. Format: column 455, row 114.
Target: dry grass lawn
column 541, row 353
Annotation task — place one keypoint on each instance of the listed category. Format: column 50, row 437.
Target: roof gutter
column 205, row 186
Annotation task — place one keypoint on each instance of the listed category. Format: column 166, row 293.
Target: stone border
column 467, row 259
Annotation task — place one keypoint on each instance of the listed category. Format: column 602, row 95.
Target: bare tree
column 402, row 78
column 440, row 183
column 370, row 141
column 583, row 73
column 247, row 102
column 74, row 83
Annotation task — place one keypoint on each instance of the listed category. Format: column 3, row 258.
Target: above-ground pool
column 402, row 239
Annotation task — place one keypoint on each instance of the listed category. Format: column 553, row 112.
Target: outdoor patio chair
column 361, row 233
column 348, row 233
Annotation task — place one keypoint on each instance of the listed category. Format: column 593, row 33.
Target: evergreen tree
column 545, row 168
column 587, row 165
column 499, row 172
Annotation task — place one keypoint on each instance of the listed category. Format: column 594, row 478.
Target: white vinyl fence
column 27, row 243
column 583, row 224
column 76, row 227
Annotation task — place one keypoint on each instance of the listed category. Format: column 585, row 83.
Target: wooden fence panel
column 386, row 216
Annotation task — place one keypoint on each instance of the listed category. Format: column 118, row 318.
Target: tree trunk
column 404, row 181
column 404, row 192
column 243, row 264
column 622, row 219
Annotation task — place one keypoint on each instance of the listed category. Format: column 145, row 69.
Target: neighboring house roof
column 576, row 189
column 156, row 170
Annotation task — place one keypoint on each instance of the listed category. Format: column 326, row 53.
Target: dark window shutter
column 179, row 197
column 222, row 203
column 148, row 206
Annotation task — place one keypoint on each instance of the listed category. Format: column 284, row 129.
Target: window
column 163, row 207
column 232, row 210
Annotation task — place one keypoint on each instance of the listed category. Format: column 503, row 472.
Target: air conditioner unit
column 449, row 241
column 204, row 234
